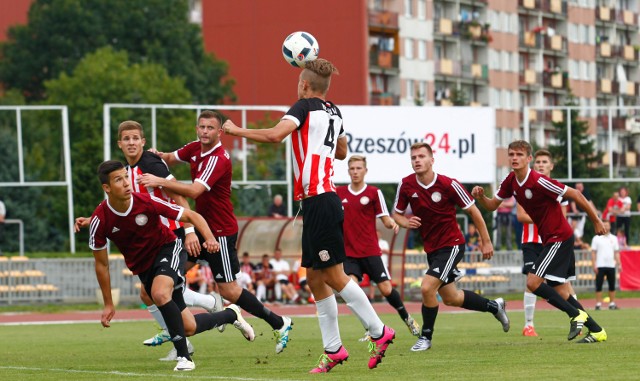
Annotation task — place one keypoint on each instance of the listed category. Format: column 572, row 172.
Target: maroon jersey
column 435, row 204
column 153, row 164
column 213, row 170
column 138, row 233
column 539, row 196
column 360, row 212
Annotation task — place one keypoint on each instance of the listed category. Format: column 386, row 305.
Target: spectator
column 3, row 213
column 624, row 216
column 301, row 275
column 265, row 278
column 622, row 240
column 614, row 206
column 247, row 277
column 578, row 214
column 605, row 258
column 282, row 270
column 473, row 238
column 277, row 209
column 504, row 226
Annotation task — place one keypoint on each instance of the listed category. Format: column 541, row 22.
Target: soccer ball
column 299, row 48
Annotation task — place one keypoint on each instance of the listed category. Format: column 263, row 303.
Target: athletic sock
column 529, row 307
column 475, row 302
column 429, row 315
column 394, row 300
column 328, row 320
column 196, row 299
column 590, row 323
column 173, row 317
column 248, row 302
column 157, row 315
column 359, row 304
column 206, row 321
column 550, row 295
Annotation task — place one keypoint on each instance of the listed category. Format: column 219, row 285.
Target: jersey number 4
column 329, row 140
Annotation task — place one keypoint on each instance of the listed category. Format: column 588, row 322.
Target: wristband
column 188, row 230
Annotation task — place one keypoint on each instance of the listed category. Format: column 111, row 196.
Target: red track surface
column 288, row 310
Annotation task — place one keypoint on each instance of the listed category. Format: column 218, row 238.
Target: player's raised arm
column 275, row 134
column 104, row 280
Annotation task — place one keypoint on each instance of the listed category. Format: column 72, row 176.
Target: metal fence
column 24, row 280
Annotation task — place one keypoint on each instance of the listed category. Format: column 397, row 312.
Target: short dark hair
column 106, row 167
column 210, row 114
column 418, row 145
column 521, row 145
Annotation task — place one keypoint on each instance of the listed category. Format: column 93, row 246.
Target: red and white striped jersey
column 530, row 234
column 361, row 209
column 213, row 170
column 138, row 233
column 153, row 164
column 435, row 204
column 319, row 125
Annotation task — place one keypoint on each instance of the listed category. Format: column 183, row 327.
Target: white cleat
column 219, row 306
column 421, row 345
column 282, row 334
column 184, row 365
column 241, row 324
column 173, row 354
column 501, row 315
column 159, row 339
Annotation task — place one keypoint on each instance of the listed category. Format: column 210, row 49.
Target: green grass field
column 467, row 346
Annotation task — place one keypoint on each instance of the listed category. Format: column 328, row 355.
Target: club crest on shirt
column 364, row 200
column 436, row 196
column 141, row 219
column 528, row 194
column 324, row 255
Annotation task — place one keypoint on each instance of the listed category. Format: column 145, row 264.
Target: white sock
column 529, row 307
column 359, row 304
column 261, row 293
column 277, row 288
column 155, row 312
column 196, row 299
column 575, row 296
column 328, row 319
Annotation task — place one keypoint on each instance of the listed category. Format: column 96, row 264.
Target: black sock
column 248, row 302
column 475, row 302
column 173, row 318
column 206, row 321
column 590, row 323
column 547, row 292
column 429, row 315
column 394, row 299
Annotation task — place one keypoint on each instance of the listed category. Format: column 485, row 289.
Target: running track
column 288, row 310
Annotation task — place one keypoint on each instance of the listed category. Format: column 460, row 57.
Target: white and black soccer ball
column 299, row 48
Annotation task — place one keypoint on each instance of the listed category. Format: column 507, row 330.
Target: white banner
column 462, row 139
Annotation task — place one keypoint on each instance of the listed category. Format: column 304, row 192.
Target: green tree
column 584, row 156
column 459, row 97
column 107, row 76
column 61, row 32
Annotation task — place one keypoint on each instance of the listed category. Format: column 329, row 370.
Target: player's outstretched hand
column 192, row 244
column 228, row 127
column 487, row 250
column 107, row 315
column 149, row 180
column 155, row 150
column 477, row 192
column 598, row 227
column 212, row 245
column 81, row 222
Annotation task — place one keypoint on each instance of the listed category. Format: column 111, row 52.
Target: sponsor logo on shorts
column 324, row 255
column 436, row 270
column 141, row 219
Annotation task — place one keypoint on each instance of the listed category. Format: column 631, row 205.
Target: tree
column 61, row 32
column 584, row 156
column 107, row 76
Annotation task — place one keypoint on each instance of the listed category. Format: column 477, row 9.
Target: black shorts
column 610, row 274
column 530, row 253
column 443, row 263
column 170, row 261
column 372, row 266
column 224, row 264
column 322, row 239
column 557, row 262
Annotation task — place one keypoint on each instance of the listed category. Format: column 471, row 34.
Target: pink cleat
column 328, row 360
column 377, row 347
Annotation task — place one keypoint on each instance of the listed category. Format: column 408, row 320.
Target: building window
column 411, row 90
column 422, row 50
column 408, row 8
column 422, row 9
column 422, row 91
column 408, row 48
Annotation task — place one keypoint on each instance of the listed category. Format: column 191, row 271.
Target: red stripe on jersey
column 530, row 234
column 314, row 178
column 134, row 174
column 327, row 184
column 297, row 155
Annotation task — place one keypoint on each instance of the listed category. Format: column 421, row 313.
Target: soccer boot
column 219, row 306
column 594, row 337
column 241, row 324
column 282, row 335
column 327, row 361
column 421, row 345
column 413, row 326
column 184, row 365
column 528, row 330
column 377, row 347
column 159, row 339
column 501, row 315
column 576, row 324
column 173, row 354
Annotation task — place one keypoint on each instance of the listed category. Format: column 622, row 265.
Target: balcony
column 475, row 31
column 629, row 53
column 627, row 18
column 530, row 78
column 530, row 40
column 528, row 4
column 606, row 87
column 554, row 80
column 555, row 44
column 444, row 27
column 604, row 14
column 447, row 67
column 385, row 99
column 383, row 20
column 604, row 50
column 383, row 61
column 554, row 6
